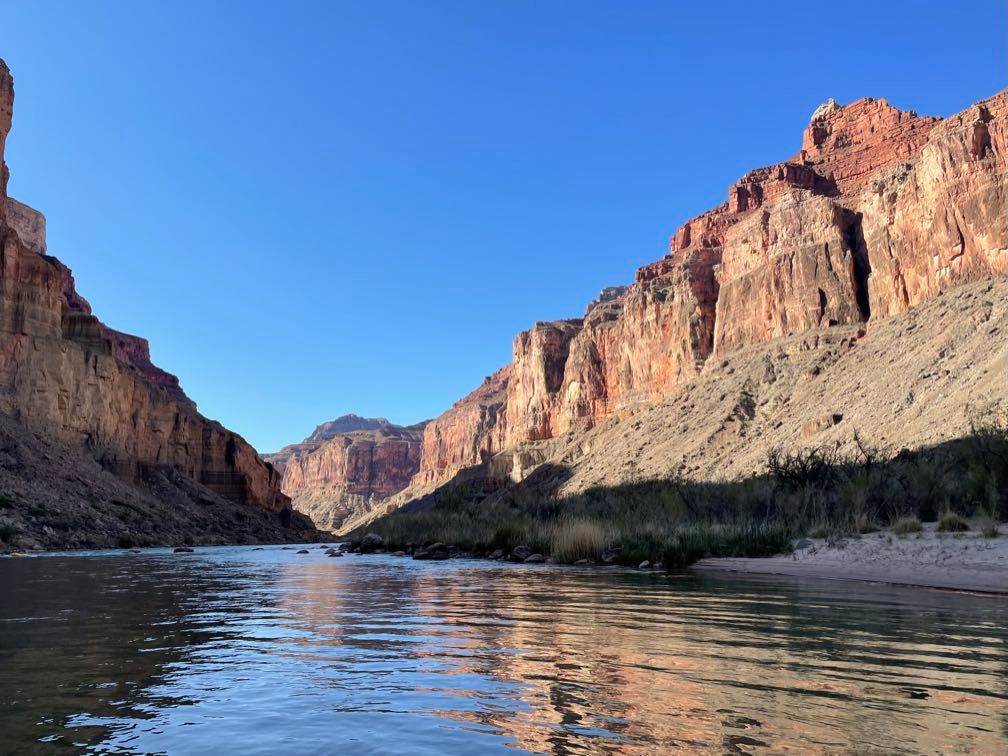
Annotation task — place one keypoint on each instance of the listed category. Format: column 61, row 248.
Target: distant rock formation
column 322, row 433
column 66, row 375
column 468, row 434
column 347, row 466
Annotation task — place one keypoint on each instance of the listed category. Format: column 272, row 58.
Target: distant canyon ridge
column 858, row 286
column 348, row 466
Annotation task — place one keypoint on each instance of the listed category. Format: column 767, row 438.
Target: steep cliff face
column 347, row 466
column 880, row 210
column 66, row 375
column 6, row 116
column 939, row 220
column 468, row 434
column 539, row 362
column 785, row 268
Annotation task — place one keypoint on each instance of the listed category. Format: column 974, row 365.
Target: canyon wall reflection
column 625, row 661
column 256, row 650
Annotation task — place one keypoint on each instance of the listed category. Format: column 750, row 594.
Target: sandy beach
column 952, row 561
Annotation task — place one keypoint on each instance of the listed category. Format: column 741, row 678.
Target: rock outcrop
column 879, row 211
column 468, row 434
column 939, row 220
column 67, row 376
column 348, row 466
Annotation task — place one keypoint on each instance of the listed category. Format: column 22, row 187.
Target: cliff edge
column 67, row 381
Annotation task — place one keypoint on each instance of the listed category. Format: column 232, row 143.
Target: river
column 271, row 651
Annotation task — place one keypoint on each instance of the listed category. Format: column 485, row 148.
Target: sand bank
column 961, row 561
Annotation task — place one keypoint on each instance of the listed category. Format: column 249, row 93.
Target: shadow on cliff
column 57, row 496
column 811, row 491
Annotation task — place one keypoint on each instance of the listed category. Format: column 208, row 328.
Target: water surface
column 270, row 651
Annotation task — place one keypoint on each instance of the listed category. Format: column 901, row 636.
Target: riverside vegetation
column 672, row 522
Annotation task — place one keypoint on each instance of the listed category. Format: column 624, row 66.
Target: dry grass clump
column 579, row 538
column 819, row 530
column 907, row 525
column 950, row 522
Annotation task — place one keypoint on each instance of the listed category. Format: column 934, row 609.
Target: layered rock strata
column 347, row 466
column 879, row 211
column 322, row 433
column 66, row 375
column 468, row 434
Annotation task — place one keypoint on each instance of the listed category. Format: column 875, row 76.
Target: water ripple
column 268, row 651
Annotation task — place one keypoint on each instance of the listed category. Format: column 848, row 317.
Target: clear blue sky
column 318, row 208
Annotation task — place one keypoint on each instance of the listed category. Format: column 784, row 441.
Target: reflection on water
column 268, row 651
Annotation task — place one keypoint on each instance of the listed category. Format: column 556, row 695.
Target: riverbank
column 966, row 561
column 970, row 561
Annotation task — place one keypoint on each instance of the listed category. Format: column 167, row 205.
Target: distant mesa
column 347, row 424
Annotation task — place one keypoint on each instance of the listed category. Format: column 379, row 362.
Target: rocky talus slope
column 348, row 466
column 133, row 452
column 858, row 285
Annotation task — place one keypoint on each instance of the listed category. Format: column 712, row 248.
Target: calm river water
column 236, row 650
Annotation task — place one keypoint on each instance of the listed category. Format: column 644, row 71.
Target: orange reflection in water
column 561, row 661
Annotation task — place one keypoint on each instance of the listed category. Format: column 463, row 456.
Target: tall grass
column 675, row 522
column 573, row 539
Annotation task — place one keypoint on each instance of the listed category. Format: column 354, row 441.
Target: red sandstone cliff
column 880, row 210
column 468, row 434
column 347, row 466
column 66, row 375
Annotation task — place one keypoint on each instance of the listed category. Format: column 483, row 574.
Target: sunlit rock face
column 880, row 209
column 348, row 466
column 66, row 374
column 938, row 220
column 466, row 435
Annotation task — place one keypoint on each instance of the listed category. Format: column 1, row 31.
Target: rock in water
column 436, row 551
column 520, row 553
